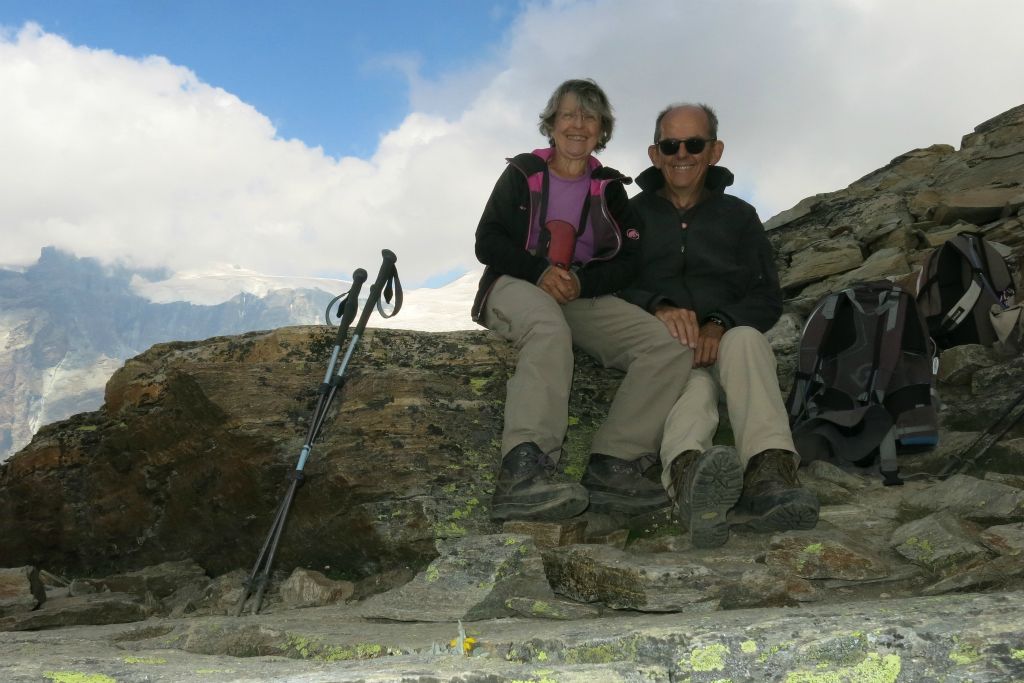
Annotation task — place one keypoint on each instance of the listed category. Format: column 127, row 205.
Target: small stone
column 648, row 582
column 998, row 572
column 20, row 590
column 556, row 608
column 939, row 542
column 548, row 534
column 471, row 580
column 1006, row 539
column 824, row 554
column 308, row 588
column 829, row 472
column 970, row 498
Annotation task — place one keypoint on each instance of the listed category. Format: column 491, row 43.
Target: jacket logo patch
column 633, row 234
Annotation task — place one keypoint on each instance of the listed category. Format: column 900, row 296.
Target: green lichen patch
column 748, row 647
column 143, row 660
column 921, row 548
column 844, row 650
column 310, row 648
column 874, row 668
column 477, row 384
column 605, row 653
column 772, row 651
column 710, row 658
column 77, row 677
column 963, row 654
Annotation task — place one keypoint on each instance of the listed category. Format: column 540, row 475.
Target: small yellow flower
column 467, row 644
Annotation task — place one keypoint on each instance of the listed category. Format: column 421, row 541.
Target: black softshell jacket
column 721, row 264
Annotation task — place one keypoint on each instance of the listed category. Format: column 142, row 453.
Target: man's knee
column 746, row 341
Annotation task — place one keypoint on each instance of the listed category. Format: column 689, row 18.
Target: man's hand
column 706, row 353
column 681, row 324
column 560, row 284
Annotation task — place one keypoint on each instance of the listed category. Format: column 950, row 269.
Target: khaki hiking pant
column 745, row 373
column 618, row 334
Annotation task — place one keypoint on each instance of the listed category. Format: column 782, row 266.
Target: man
column 709, row 276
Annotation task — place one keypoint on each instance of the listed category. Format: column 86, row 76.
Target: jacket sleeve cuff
column 720, row 318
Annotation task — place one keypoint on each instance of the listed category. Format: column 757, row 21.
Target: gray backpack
column 961, row 282
column 865, row 378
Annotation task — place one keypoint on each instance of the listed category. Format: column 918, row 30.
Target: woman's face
column 575, row 131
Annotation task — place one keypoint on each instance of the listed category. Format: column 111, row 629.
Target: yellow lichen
column 143, row 660
column 77, row 677
column 872, row 669
column 964, row 654
column 710, row 658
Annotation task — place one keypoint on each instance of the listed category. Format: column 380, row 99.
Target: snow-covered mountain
column 429, row 309
column 66, row 324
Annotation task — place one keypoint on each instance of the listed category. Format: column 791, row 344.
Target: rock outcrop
column 158, row 502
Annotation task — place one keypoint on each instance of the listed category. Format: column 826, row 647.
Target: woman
column 558, row 238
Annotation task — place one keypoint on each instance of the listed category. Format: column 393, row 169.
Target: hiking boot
column 524, row 489
column 621, row 486
column 773, row 495
column 705, row 486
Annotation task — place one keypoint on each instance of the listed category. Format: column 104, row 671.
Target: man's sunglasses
column 670, row 146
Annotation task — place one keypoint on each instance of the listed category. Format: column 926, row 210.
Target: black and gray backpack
column 864, row 387
column 960, row 283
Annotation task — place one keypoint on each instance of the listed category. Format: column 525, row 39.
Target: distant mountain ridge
column 67, row 323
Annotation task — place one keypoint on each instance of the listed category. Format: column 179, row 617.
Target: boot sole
column 792, row 515
column 716, row 488
column 605, row 502
column 540, row 511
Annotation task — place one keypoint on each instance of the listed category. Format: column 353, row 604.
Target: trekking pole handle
column 352, row 300
column 386, row 272
column 348, row 314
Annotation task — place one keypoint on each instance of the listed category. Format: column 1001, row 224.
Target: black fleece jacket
column 721, row 264
column 503, row 231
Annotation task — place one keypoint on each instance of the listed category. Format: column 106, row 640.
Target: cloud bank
column 137, row 160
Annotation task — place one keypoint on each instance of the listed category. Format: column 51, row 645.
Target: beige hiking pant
column 745, row 373
column 618, row 334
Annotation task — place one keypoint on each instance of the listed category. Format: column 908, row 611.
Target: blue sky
column 331, row 73
column 301, row 138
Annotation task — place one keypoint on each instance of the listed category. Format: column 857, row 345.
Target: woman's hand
column 560, row 284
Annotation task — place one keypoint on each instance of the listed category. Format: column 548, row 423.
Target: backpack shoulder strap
column 815, row 331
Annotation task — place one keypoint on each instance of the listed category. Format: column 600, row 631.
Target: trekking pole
column 260, row 574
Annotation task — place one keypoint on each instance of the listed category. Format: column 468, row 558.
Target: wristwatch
column 716, row 320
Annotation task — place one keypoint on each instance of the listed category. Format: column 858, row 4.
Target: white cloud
column 138, row 160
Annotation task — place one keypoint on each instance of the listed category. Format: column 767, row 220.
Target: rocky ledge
column 127, row 532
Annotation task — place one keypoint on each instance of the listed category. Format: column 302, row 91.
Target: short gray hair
column 712, row 118
column 591, row 98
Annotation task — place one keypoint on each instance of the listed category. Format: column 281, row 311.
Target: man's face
column 685, row 171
